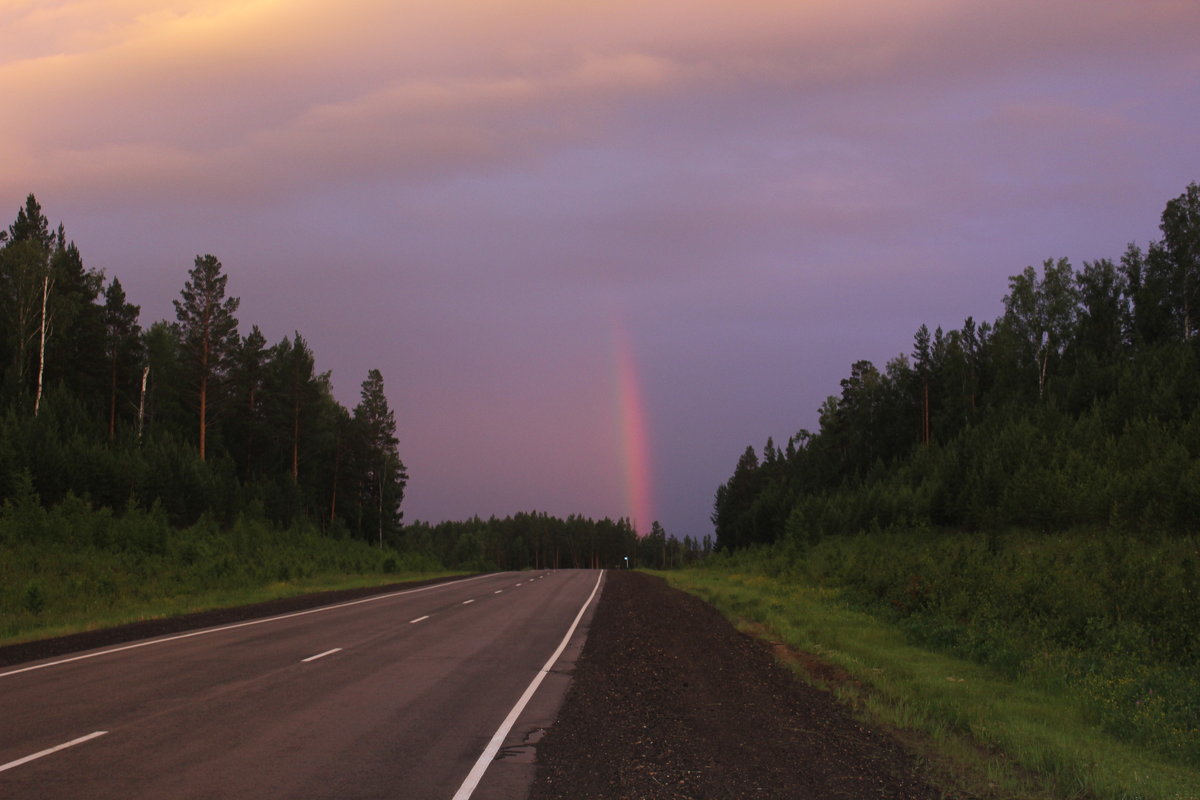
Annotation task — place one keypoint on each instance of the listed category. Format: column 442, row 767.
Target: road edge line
column 489, row 753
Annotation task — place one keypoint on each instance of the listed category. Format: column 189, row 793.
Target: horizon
column 597, row 252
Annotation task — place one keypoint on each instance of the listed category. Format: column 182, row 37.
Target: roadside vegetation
column 73, row 568
column 997, row 533
column 1013, row 664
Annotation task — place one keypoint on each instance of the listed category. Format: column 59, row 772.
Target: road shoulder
column 670, row 701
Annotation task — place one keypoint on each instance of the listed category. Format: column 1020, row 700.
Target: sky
column 596, row 248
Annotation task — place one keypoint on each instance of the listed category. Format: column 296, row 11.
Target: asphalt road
column 394, row 696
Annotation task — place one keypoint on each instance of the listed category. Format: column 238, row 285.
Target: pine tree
column 208, row 333
column 296, row 389
column 122, row 345
column 247, row 377
column 384, row 477
column 922, row 363
column 24, row 279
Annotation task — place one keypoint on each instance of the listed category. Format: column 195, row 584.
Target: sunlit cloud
column 268, row 91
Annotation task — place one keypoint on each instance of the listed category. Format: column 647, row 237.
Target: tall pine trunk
column 337, row 462
column 203, row 392
column 112, row 400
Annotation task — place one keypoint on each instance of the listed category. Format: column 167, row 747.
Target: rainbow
column 635, row 443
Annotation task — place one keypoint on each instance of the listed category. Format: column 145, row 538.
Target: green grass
column 23, row 626
column 71, row 568
column 1003, row 735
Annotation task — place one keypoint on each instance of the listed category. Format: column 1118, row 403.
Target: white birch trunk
column 37, row 399
column 142, row 402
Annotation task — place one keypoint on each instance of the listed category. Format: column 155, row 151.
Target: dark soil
column 670, row 701
column 60, row 645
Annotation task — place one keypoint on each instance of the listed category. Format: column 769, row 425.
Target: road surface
column 392, row 696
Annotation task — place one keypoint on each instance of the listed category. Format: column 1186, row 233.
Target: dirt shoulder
column 146, row 629
column 670, row 701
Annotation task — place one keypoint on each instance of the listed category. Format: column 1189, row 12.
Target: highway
column 392, row 696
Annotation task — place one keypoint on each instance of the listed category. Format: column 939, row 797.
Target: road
column 394, row 696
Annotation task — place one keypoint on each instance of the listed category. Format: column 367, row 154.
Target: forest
column 192, row 455
column 1079, row 406
column 189, row 414
column 1021, row 493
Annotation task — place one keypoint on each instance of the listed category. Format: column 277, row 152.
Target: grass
column 26, row 627
column 980, row 731
column 70, row 568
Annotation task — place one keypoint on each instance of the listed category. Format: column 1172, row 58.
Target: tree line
column 187, row 414
column 540, row 541
column 191, row 423
column 1078, row 406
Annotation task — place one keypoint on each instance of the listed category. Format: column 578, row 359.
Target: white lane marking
column 498, row 591
column 493, row 747
column 418, row 619
column 518, row 584
column 467, row 602
column 207, row 631
column 50, row 750
column 321, row 655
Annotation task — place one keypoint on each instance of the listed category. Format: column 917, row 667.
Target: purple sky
column 482, row 198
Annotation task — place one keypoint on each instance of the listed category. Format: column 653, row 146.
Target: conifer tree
column 207, row 332
column 295, row 385
column 24, row 277
column 247, row 377
column 122, row 345
column 384, row 476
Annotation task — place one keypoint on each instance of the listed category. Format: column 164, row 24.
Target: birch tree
column 1181, row 240
column 1041, row 313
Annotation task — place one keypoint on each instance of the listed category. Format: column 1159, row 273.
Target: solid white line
column 207, row 631
column 418, row 619
column 467, row 602
column 493, row 747
column 47, row 752
column 321, row 655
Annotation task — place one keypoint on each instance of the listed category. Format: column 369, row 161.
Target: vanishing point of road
column 433, row 692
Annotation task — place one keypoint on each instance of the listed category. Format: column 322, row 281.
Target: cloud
column 249, row 97
column 239, row 96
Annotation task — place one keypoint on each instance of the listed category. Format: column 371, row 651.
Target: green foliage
column 1079, row 407
column 186, row 417
column 1111, row 618
column 74, row 566
column 539, row 541
column 1045, row 730
column 34, row 600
